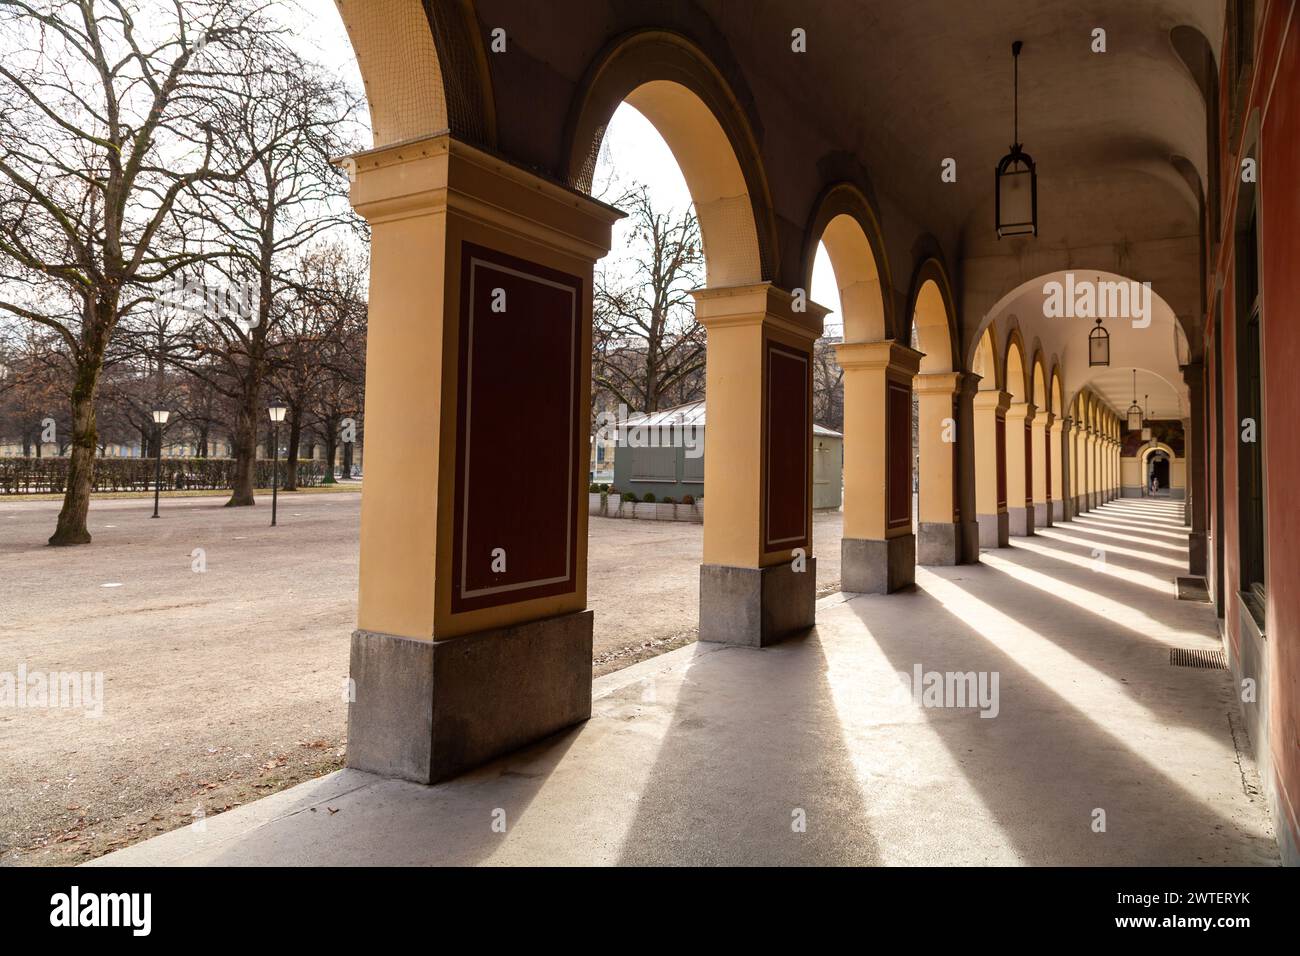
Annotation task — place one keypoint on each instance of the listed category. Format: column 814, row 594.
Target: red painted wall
column 1280, row 266
column 1275, row 97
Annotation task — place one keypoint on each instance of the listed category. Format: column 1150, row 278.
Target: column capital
column 761, row 303
column 887, row 355
column 1019, row 410
column 436, row 173
column 938, row 383
column 992, row 398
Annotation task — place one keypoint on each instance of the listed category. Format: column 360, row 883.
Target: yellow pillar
column 1092, row 468
column 758, row 582
column 472, row 635
column 991, row 467
column 878, row 551
column 1054, row 441
column 938, row 526
column 1020, row 505
column 1042, row 470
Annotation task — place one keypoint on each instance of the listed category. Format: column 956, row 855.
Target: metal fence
column 31, row 476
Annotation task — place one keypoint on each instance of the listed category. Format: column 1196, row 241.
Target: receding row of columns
column 1034, row 469
column 473, row 634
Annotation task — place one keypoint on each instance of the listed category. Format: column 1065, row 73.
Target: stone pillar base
column 1021, row 521
column 1080, row 504
column 756, row 607
column 871, row 566
column 995, row 530
column 1042, row 514
column 1058, row 511
column 938, row 543
column 428, row 710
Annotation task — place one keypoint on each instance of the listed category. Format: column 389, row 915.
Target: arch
column 1038, row 395
column 424, row 69
column 1056, row 391
column 846, row 224
column 985, row 363
column 1013, row 363
column 1151, row 448
column 933, row 317
column 671, row 82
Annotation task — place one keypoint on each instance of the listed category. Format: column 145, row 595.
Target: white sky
column 633, row 149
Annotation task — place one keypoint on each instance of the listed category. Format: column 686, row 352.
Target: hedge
column 24, row 476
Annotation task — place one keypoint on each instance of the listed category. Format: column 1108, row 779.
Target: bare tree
column 827, row 385
column 108, row 121
column 294, row 117
column 647, row 347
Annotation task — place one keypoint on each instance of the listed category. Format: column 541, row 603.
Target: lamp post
column 160, row 416
column 276, row 410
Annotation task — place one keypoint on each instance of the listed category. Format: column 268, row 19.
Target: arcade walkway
column 710, row 753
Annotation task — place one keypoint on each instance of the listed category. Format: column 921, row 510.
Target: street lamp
column 160, row 416
column 276, row 410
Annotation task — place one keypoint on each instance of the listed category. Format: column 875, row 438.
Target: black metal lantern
column 1099, row 345
column 1016, row 178
column 1135, row 410
column 1146, row 428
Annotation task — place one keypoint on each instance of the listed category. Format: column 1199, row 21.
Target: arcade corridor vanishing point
column 1166, row 215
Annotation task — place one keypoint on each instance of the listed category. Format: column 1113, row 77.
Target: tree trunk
column 291, row 459
column 71, row 527
column 245, row 442
column 330, row 437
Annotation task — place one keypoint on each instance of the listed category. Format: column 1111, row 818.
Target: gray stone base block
column 1021, row 521
column 756, row 606
column 995, row 530
column 1058, row 511
column 1042, row 514
column 938, row 543
column 870, row 566
column 427, row 710
column 1080, row 504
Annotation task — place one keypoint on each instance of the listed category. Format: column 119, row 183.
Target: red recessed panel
column 1047, row 463
column 898, row 449
column 519, row 431
column 1001, row 451
column 789, row 438
column 1029, row 464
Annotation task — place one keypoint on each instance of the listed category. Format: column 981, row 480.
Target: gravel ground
column 225, row 685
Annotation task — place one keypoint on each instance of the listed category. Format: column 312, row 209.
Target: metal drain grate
column 1187, row 657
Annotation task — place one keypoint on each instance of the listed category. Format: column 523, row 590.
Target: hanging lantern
column 1099, row 345
column 1135, row 410
column 1016, row 178
column 1146, row 430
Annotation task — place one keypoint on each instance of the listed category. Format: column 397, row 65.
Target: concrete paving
column 815, row 751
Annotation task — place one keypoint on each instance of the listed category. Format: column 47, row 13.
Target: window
column 653, row 464
column 1250, row 409
column 693, row 467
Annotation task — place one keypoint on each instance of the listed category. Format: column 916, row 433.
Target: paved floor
column 814, row 751
column 223, row 645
